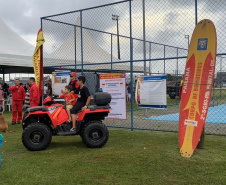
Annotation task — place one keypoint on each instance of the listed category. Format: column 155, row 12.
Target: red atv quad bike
column 41, row 122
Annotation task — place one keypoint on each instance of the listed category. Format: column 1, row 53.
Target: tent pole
column 3, row 74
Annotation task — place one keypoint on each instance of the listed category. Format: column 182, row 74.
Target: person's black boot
column 18, row 122
column 13, row 123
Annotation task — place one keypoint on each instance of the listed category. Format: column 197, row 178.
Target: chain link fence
column 109, row 39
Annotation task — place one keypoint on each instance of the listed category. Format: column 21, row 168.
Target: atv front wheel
column 95, row 134
column 36, row 136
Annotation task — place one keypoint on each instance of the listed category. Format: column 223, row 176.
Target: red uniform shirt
column 34, row 94
column 75, row 87
column 18, row 94
column 68, row 97
column 74, row 84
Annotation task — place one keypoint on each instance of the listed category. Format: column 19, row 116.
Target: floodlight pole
column 187, row 37
column 144, row 39
column 116, row 18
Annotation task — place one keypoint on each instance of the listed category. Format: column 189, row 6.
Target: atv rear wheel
column 36, row 136
column 95, row 134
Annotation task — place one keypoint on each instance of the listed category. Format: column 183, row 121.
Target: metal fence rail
column 109, row 38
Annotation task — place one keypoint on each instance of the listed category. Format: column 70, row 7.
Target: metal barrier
column 111, row 38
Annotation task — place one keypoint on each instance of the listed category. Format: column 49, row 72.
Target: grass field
column 138, row 157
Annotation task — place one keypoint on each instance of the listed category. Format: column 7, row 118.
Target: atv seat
column 94, row 107
column 38, row 108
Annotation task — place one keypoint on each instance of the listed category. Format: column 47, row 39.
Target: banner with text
column 38, row 61
column 151, row 92
column 115, row 84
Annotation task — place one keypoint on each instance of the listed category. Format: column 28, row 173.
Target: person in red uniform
column 18, row 96
column 34, row 93
column 74, row 84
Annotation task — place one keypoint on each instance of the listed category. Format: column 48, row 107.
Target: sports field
column 130, row 157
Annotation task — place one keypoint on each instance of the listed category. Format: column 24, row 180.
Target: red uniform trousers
column 17, row 108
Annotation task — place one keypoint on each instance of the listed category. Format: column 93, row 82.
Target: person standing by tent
column 1, row 98
column 18, row 96
column 34, row 93
column 5, row 90
column 129, row 92
column 27, row 97
column 49, row 85
column 45, row 90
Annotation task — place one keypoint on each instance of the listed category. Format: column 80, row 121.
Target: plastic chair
column 9, row 103
column 1, row 138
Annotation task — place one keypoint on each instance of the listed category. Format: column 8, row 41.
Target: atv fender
column 81, row 115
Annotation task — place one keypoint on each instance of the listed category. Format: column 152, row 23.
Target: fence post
column 111, row 54
column 81, row 41
column 177, row 78
column 164, row 59
column 150, row 58
column 196, row 12
column 131, row 62
column 144, row 39
column 202, row 138
column 75, row 48
column 221, row 77
column 41, row 66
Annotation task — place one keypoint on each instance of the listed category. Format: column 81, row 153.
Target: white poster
column 151, row 92
column 60, row 80
column 115, row 84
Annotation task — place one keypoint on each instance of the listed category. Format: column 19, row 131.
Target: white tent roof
column 16, row 53
column 92, row 53
column 12, row 43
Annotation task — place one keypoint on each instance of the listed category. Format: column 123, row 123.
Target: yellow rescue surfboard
column 197, row 86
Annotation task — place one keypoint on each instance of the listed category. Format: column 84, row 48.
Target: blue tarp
column 215, row 114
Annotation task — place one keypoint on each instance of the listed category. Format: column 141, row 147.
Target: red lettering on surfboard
column 188, row 76
column 198, row 76
column 207, row 81
column 192, row 111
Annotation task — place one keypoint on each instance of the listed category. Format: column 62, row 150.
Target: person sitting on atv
column 69, row 99
column 82, row 101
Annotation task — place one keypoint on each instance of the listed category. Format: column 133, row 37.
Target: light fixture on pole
column 116, row 18
column 187, row 37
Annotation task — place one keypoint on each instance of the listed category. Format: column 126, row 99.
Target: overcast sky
column 23, row 16
column 167, row 22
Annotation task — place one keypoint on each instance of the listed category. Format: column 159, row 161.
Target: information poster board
column 115, row 84
column 59, row 81
column 151, row 92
